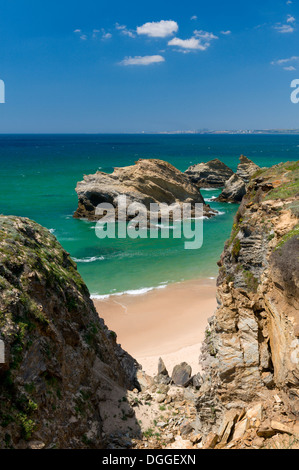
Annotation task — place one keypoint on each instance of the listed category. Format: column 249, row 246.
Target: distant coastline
column 238, row 132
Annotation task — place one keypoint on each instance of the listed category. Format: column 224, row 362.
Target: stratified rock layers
column 252, row 341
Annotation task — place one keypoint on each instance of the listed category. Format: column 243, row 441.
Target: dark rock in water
column 181, row 374
column 246, row 168
column 147, row 182
column 162, row 368
column 234, row 190
column 212, row 174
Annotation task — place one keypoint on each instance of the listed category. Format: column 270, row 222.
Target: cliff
column 146, row 182
column 62, row 364
column 251, row 345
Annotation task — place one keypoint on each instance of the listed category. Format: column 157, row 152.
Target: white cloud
column 289, row 2
column 145, row 60
column 127, row 32
column 107, row 36
column 159, row 29
column 284, row 28
column 190, row 44
column 204, row 35
column 120, row 26
column 77, row 31
column 294, row 58
column 226, row 33
column 83, row 37
column 200, row 41
column 194, row 17
column 124, row 30
column 291, row 19
column 284, row 62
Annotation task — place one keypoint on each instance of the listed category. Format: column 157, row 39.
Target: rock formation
column 146, row 182
column 248, row 396
column 246, row 168
column 212, row 174
column 252, row 341
column 235, row 187
column 234, row 190
column 62, row 364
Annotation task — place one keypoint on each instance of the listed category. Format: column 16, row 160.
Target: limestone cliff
column 252, row 341
column 61, row 362
column 148, row 181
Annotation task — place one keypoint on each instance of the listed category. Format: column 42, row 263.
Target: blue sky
column 114, row 66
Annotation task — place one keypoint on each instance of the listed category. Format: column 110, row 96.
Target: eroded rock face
column 234, row 190
column 146, row 182
column 62, row 363
column 252, row 341
column 212, row 174
column 246, row 168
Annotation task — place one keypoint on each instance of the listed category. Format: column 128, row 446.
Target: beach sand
column 168, row 323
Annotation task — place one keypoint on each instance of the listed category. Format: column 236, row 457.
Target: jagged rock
column 146, row 182
column 277, row 426
column 181, row 374
column 256, row 412
column 162, row 368
column 240, row 429
column 246, row 168
column 234, row 190
column 63, row 364
column 227, row 425
column 212, row 174
column 265, row 430
column 211, row 441
column 144, row 380
column 197, row 380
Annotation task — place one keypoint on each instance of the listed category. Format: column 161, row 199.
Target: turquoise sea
column 38, row 175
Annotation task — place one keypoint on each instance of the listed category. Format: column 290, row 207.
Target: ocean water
column 38, row 175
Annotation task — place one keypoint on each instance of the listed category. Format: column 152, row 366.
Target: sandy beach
column 168, row 323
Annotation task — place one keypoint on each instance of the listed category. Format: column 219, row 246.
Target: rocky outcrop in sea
column 148, row 181
column 235, row 187
column 212, row 174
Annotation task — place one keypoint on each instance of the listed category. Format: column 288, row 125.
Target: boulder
column 147, row 182
column 181, row 374
column 212, row 174
column 234, row 190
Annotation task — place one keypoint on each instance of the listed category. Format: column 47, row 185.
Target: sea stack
column 148, row 181
column 234, row 190
column 212, row 174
